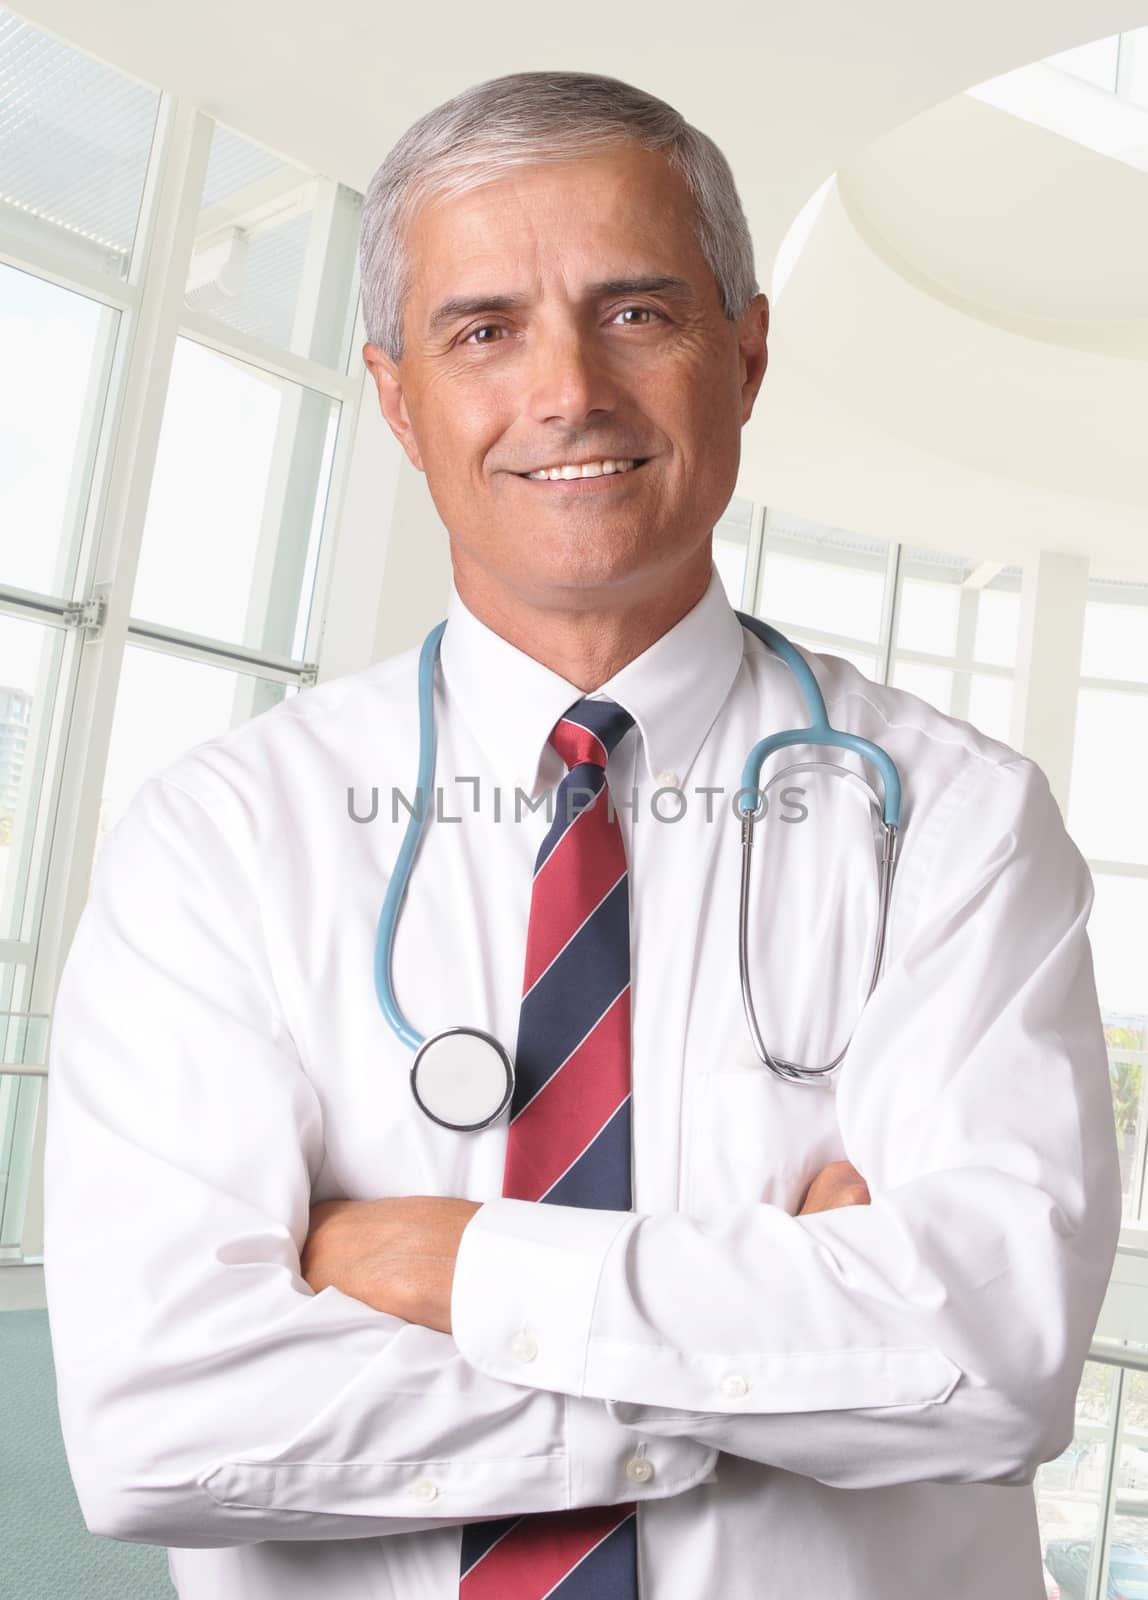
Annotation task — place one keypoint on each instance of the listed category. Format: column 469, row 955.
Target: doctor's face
column 564, row 315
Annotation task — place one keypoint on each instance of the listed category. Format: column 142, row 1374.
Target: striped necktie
column 569, row 1137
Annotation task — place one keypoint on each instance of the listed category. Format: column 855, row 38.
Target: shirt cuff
column 525, row 1282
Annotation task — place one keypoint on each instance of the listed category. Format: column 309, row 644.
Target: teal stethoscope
column 462, row 1077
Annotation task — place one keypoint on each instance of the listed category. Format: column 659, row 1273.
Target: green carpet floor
column 46, row 1552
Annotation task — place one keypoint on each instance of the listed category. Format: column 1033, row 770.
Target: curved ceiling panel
column 1005, row 216
column 927, row 419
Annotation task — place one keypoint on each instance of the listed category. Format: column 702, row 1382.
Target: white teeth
column 589, row 469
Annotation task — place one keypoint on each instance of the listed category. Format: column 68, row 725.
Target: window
column 1095, row 93
column 1071, row 1491
column 236, row 508
column 166, row 705
column 735, row 550
column 164, row 517
column 956, row 637
column 31, row 662
column 274, row 252
column 48, row 426
column 1095, row 62
column 944, row 627
column 1132, row 80
column 1091, row 1499
column 1107, row 818
column 824, row 588
column 1116, row 633
column 1110, row 775
column 75, row 137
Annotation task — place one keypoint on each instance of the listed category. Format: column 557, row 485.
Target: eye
column 644, row 311
column 486, row 327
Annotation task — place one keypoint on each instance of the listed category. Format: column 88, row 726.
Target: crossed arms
column 398, row 1255
column 232, row 1369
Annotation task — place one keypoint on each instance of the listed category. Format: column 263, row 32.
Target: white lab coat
column 850, row 1403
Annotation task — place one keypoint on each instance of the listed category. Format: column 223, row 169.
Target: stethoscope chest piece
column 462, row 1078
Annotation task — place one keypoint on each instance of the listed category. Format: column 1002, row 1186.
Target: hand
column 838, row 1184
column 396, row 1255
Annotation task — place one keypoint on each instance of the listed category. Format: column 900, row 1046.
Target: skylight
column 1095, row 94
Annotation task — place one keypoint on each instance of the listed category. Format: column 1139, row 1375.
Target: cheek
column 455, row 434
column 701, row 408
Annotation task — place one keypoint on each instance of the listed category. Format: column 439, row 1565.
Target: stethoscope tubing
column 819, row 732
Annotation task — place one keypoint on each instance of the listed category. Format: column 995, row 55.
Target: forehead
column 622, row 209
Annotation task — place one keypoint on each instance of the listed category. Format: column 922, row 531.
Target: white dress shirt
column 850, row 1404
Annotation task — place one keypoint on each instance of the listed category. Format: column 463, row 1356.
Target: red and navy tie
column 569, row 1137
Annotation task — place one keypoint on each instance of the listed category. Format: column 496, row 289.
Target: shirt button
column 523, row 1347
column 735, row 1386
column 668, row 780
column 639, row 1469
column 423, row 1489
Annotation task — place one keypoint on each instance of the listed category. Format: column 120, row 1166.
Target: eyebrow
column 470, row 305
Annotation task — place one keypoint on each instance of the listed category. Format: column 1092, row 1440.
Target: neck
column 585, row 642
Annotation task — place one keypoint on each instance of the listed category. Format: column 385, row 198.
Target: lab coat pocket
column 751, row 1137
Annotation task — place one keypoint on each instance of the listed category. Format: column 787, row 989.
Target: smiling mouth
column 608, row 466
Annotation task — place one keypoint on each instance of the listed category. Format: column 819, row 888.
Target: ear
column 392, row 400
column 752, row 343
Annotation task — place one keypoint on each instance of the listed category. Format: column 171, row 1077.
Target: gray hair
column 528, row 117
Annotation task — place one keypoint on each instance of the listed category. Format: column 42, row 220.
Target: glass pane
column 167, row 705
column 737, row 518
column 1126, row 1040
column 48, row 426
column 237, row 502
column 1106, row 805
column 74, row 142
column 1115, row 641
column 729, row 559
column 274, row 257
column 30, row 657
column 864, row 660
column 820, row 593
column 927, row 616
column 1095, row 62
column 1070, row 1489
column 998, row 627
column 821, row 577
column 23, row 1040
column 1128, row 1553
column 934, row 684
column 1119, row 949
column 990, row 705
column 1134, row 66
column 731, row 546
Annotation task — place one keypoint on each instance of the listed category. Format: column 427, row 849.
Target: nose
column 569, row 379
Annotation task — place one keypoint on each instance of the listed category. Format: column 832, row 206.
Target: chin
column 592, row 572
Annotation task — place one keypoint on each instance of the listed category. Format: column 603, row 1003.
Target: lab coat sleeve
column 207, row 1396
column 938, row 1333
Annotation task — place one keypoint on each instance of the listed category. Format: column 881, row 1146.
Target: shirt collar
column 673, row 690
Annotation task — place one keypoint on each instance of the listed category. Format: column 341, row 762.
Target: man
column 674, row 1327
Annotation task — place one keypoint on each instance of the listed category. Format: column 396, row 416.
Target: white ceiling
column 789, row 90
column 1006, row 216
column 937, row 368
column 959, row 355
